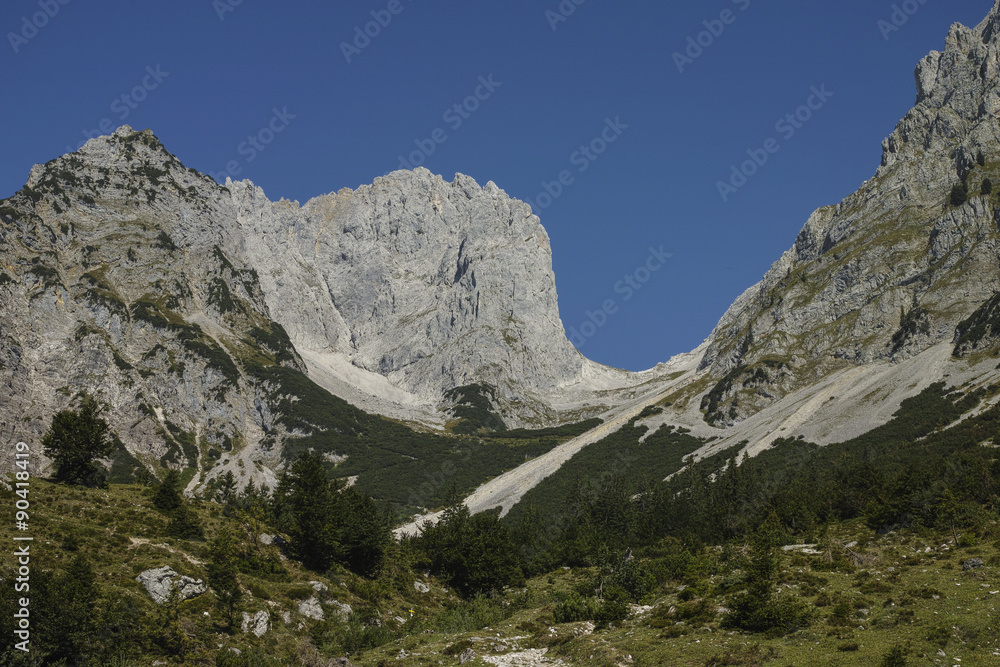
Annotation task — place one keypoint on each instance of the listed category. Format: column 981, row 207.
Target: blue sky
column 595, row 97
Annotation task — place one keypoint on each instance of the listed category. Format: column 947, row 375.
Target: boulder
column 160, row 582
column 310, row 608
column 256, row 623
column 341, row 609
column 972, row 564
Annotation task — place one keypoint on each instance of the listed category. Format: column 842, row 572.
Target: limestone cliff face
column 168, row 296
column 430, row 284
column 896, row 266
column 123, row 276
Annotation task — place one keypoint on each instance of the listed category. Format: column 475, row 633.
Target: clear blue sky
column 224, row 67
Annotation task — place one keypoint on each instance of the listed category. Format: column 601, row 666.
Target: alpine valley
column 408, row 334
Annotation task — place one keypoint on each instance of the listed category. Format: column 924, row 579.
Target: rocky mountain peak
column 895, row 267
column 428, row 283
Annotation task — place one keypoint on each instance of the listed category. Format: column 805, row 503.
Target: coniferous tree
column 222, row 568
column 75, row 440
column 328, row 523
column 366, row 533
column 472, row 552
column 63, row 622
column 759, row 608
column 894, row 657
column 168, row 494
column 304, row 502
column 959, row 194
column 227, row 487
column 184, row 523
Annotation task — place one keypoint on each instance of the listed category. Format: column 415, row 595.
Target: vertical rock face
column 430, row 284
column 896, row 266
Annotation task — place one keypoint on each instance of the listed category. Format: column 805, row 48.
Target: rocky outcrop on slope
column 162, row 583
column 895, row 267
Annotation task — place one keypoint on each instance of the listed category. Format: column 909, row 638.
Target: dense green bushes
column 474, row 409
column 912, row 471
column 471, row 552
column 411, row 470
column 959, row 194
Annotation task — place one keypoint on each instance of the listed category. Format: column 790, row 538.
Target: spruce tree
column 304, row 501
column 223, row 564
column 168, row 494
column 759, row 608
column 75, row 440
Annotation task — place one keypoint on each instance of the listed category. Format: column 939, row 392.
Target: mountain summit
column 894, row 268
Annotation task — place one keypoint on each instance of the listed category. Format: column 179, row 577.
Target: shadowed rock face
column 896, row 266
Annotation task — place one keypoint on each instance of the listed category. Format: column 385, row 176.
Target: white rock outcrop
column 311, row 608
column 162, row 582
column 257, row 624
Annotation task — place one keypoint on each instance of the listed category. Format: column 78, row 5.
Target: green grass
column 906, row 596
column 122, row 535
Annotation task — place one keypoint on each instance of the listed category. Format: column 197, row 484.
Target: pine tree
column 365, row 534
column 472, row 552
column 304, row 503
column 168, row 494
column 759, row 608
column 959, row 194
column 184, row 523
column 227, row 487
column 895, row 657
column 223, row 564
column 75, row 440
column 64, row 624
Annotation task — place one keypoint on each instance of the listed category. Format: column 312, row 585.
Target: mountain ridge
column 835, row 297
column 890, row 291
column 185, row 304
